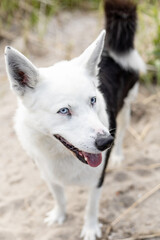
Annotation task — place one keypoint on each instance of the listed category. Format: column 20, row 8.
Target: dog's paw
column 91, row 232
column 115, row 161
column 55, row 216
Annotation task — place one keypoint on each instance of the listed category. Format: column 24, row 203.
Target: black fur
column 101, row 179
column 115, row 81
column 121, row 23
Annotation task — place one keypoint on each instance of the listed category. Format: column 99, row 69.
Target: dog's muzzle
column 91, row 159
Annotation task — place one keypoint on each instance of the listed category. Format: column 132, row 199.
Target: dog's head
column 63, row 101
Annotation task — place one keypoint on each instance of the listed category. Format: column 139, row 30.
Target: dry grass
column 128, row 211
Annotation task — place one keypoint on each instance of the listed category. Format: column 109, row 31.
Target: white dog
column 65, row 121
column 61, row 109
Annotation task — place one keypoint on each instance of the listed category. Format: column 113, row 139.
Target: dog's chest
column 71, row 171
column 67, row 170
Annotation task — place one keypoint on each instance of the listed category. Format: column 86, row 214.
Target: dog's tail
column 121, row 23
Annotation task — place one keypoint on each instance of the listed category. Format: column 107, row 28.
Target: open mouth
column 91, row 159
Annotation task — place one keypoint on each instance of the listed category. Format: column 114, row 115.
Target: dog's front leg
column 58, row 213
column 92, row 227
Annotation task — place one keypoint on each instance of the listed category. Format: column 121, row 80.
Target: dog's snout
column 103, row 142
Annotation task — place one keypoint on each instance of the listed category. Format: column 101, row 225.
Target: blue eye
column 93, row 100
column 64, row 111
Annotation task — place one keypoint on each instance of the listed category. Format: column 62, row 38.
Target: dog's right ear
column 90, row 58
column 23, row 75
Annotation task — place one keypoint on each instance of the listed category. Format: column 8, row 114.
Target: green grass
column 26, row 14
column 151, row 8
column 11, row 10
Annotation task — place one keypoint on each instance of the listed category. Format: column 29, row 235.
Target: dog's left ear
column 90, row 58
column 23, row 75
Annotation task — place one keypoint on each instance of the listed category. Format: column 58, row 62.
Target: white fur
column 24, row 65
column 92, row 227
column 68, row 84
column 89, row 59
column 129, row 60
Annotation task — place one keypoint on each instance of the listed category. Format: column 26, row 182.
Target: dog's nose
column 103, row 142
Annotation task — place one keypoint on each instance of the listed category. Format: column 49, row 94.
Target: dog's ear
column 90, row 58
column 23, row 75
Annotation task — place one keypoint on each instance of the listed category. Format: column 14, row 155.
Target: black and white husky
column 66, row 118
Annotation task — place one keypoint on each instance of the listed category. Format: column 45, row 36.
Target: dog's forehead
column 67, row 78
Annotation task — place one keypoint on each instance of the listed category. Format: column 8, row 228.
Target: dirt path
column 24, row 197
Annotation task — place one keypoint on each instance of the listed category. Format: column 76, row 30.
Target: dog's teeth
column 85, row 159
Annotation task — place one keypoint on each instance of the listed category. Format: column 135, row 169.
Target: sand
column 24, row 196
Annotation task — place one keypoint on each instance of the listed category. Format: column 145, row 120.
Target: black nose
column 102, row 142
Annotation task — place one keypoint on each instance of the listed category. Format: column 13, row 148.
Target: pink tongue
column 93, row 159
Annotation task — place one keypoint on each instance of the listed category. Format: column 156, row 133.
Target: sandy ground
column 24, row 197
